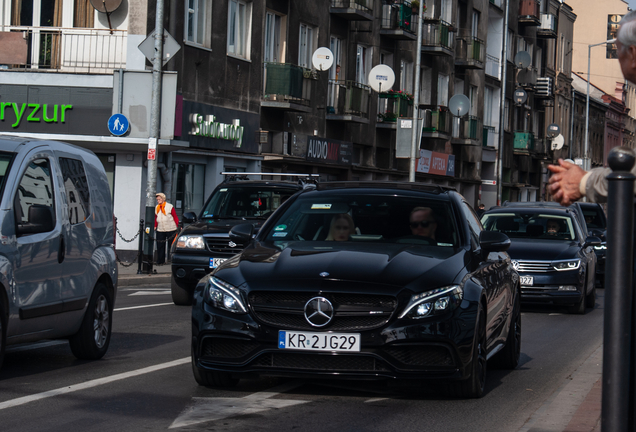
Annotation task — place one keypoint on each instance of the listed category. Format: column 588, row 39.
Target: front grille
column 353, row 312
column 534, row 266
column 421, row 355
column 215, row 348
column 221, row 245
column 315, row 362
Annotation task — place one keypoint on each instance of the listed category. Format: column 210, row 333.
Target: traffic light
column 543, row 87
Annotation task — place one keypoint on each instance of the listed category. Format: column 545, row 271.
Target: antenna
column 107, row 7
column 381, row 78
column 322, row 59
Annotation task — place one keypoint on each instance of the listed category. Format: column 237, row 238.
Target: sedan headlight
column 190, row 242
column 602, row 246
column 566, row 265
column 432, row 302
column 224, row 296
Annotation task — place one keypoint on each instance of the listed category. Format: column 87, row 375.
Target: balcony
column 469, row 53
column 287, row 87
column 493, row 68
column 548, row 26
column 392, row 106
column 348, row 101
column 490, row 137
column 436, row 121
column 467, row 130
column 498, row 3
column 437, row 38
column 69, row 50
column 529, row 12
column 524, row 142
column 398, row 21
column 353, row 10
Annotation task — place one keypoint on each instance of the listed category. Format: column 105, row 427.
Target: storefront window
column 187, row 187
column 108, row 160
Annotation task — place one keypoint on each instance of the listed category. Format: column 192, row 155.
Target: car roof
column 551, row 210
column 406, row 186
column 258, row 183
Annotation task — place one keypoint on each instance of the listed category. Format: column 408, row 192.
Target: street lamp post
column 586, row 159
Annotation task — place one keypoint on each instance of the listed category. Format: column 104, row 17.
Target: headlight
column 602, row 246
column 432, row 302
column 224, row 296
column 190, row 242
column 566, row 265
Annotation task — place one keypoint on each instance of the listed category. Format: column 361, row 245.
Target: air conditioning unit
column 543, row 87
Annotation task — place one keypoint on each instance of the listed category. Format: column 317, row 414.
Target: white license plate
column 311, row 341
column 526, row 280
column 215, row 262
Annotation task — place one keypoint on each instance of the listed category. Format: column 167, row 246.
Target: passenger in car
column 422, row 222
column 553, row 227
column 341, row 227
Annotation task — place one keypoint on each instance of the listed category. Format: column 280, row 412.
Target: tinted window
column 241, row 202
column 531, row 225
column 35, row 188
column 473, row 221
column 5, row 163
column 594, row 217
column 77, row 191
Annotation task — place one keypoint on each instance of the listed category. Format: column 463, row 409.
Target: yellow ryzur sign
column 32, row 112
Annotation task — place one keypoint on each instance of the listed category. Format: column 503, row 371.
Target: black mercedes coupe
column 414, row 291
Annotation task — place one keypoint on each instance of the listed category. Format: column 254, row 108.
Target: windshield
column 594, row 218
column 245, row 202
column 534, row 226
column 358, row 217
column 5, row 163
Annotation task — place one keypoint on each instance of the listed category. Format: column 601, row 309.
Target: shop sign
column 328, row 151
column 436, row 163
column 32, row 112
column 208, row 127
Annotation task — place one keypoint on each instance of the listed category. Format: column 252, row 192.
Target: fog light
column 567, row 288
column 442, row 303
column 423, row 309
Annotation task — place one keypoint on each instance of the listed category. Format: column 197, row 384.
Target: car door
column 36, row 267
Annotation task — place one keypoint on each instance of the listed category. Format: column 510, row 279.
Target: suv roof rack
column 434, row 188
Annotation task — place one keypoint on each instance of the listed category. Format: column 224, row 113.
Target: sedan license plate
column 310, row 341
column 526, row 280
column 215, row 262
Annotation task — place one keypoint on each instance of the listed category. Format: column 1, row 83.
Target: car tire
column 180, row 296
column 579, row 308
column 590, row 299
column 92, row 340
column 474, row 386
column 213, row 379
column 508, row 357
column 3, row 328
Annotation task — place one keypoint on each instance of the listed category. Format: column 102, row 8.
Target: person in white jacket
column 166, row 224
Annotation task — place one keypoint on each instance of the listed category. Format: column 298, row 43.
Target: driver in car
column 422, row 222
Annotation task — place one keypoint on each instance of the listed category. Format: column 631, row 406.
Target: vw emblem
column 515, row 264
column 319, row 311
column 324, row 274
column 231, row 244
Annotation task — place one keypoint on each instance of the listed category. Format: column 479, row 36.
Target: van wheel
column 180, row 296
column 3, row 328
column 92, row 339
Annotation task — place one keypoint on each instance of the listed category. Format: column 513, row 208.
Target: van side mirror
column 40, row 220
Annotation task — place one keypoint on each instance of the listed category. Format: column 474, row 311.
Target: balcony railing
column 490, row 136
column 436, row 119
column 398, row 16
column 438, row 36
column 492, row 66
column 71, row 50
column 529, row 11
column 469, row 52
column 352, row 9
column 467, row 128
column 286, row 82
column 524, row 140
column 348, row 98
column 548, row 26
column 392, row 106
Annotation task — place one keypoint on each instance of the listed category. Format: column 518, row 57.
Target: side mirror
column 493, row 241
column 242, row 233
column 592, row 241
column 40, row 220
column 189, row 217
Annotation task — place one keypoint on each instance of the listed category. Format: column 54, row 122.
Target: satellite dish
column 381, row 78
column 553, row 130
column 106, row 6
column 523, row 59
column 557, row 142
column 459, row 105
column 322, row 59
column 520, row 96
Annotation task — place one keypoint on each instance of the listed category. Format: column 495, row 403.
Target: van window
column 77, row 192
column 35, row 188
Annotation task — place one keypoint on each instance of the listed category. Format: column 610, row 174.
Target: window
column 274, row 38
column 336, row 72
column 442, row 90
column 35, row 188
column 488, row 106
column 306, row 45
column 187, row 187
column 406, row 76
column 426, row 78
column 83, row 14
column 475, row 28
column 238, row 25
column 77, row 190
column 507, row 115
column 473, row 96
column 197, row 22
column 363, row 64
column 446, row 13
column 511, row 48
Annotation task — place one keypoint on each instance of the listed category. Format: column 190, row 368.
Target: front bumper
column 438, row 347
column 546, row 288
column 189, row 268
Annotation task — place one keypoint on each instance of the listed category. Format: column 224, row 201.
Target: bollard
column 618, row 293
column 141, row 246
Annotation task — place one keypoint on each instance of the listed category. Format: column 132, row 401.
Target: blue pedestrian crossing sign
column 118, row 124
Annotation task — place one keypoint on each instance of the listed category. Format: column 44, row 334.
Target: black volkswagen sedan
column 556, row 263
column 362, row 280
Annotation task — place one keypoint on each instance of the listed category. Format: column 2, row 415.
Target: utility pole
column 155, row 119
column 502, row 104
column 415, row 146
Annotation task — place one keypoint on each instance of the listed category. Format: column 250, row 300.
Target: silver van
column 58, row 272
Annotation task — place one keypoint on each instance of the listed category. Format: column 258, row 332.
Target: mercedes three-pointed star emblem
column 319, row 312
column 515, row 264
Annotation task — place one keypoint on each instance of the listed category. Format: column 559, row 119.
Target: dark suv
column 597, row 226
column 204, row 242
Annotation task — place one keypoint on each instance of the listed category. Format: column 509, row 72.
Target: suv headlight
column 190, row 242
column 433, row 302
column 566, row 265
column 602, row 246
column 224, row 296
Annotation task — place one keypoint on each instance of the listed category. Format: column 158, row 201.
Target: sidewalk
column 128, row 275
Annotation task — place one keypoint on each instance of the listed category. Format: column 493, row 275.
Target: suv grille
column 222, row 245
column 320, row 362
column 353, row 312
column 534, row 266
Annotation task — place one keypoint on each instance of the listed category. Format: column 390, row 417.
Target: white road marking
column 210, row 409
column 92, row 383
column 19, row 348
column 143, row 306
column 375, row 400
column 146, row 293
